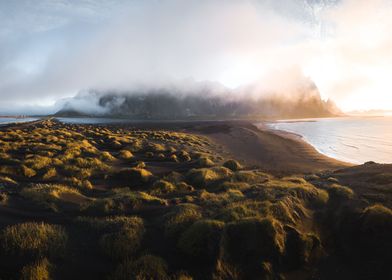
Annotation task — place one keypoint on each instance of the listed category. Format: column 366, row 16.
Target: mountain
column 203, row 101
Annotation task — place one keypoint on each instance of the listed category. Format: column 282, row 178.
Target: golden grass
column 232, row 165
column 125, row 154
column 38, row 162
column 39, row 270
column 124, row 242
column 28, row 172
column 201, row 240
column 34, row 239
column 145, row 267
column 206, row 176
column 7, row 181
column 48, row 195
column 182, row 216
column 162, row 187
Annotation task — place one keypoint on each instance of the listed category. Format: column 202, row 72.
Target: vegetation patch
column 34, row 240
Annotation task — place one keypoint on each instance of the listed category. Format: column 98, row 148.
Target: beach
column 274, row 151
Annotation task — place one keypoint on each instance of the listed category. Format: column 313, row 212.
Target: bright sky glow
column 53, row 49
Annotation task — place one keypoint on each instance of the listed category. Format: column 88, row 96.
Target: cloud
column 61, row 47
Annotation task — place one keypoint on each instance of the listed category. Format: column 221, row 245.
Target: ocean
column 15, row 120
column 351, row 139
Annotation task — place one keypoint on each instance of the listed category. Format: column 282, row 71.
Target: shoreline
column 281, row 153
column 290, row 134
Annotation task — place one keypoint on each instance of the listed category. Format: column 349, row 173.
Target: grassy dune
column 111, row 202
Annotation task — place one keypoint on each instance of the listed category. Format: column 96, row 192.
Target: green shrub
column 34, row 239
column 232, row 165
column 201, row 240
column 39, row 270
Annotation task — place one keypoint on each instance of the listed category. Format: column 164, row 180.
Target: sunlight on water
column 351, row 139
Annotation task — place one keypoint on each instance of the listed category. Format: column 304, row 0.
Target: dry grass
column 48, row 196
column 34, row 239
column 39, row 270
column 124, row 242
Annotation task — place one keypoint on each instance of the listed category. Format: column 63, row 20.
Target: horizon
column 53, row 50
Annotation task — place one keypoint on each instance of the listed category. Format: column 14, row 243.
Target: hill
column 205, row 101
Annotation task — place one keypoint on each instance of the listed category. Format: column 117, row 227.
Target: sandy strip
column 274, row 151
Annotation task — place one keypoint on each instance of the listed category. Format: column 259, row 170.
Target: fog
column 56, row 49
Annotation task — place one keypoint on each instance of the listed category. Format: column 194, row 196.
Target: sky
column 52, row 49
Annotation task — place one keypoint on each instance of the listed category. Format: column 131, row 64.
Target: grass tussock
column 233, row 165
column 253, row 240
column 145, row 267
column 204, row 177
column 49, row 195
column 34, row 240
column 162, row 187
column 39, row 270
column 125, row 241
column 201, row 240
column 134, row 176
column 125, row 155
column 181, row 218
column 124, row 200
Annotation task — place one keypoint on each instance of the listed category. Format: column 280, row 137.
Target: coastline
column 297, row 136
column 278, row 152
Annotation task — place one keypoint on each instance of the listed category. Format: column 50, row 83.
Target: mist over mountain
column 202, row 100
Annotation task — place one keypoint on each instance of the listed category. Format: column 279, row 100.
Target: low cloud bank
column 293, row 99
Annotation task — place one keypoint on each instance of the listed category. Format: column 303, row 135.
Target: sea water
column 15, row 120
column 351, row 139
